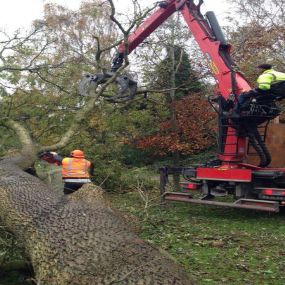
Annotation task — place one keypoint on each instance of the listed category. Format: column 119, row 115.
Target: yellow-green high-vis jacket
column 269, row 77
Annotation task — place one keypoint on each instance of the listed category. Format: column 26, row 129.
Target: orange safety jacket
column 75, row 168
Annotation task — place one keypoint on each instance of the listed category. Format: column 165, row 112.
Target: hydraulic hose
column 257, row 143
column 263, row 146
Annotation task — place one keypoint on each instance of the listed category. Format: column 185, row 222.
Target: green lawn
column 215, row 245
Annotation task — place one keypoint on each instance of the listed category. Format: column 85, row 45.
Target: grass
column 215, row 245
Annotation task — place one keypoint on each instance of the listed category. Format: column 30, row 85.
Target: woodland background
column 169, row 122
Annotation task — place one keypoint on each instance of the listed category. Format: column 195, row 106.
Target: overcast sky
column 20, row 13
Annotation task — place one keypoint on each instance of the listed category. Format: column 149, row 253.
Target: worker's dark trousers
column 278, row 89
column 70, row 187
column 242, row 98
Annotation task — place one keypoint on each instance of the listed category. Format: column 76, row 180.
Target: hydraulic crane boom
column 210, row 39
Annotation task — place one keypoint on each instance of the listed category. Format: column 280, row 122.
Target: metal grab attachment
column 127, row 86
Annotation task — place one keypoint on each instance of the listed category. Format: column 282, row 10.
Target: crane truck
column 257, row 187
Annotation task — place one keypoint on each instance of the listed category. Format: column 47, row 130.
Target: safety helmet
column 77, row 153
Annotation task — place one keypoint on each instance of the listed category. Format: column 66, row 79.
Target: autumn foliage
column 195, row 125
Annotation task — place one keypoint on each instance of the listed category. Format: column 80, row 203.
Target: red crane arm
column 167, row 8
column 148, row 26
column 215, row 49
column 210, row 39
column 216, row 52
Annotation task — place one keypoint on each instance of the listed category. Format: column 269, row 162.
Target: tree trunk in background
column 174, row 126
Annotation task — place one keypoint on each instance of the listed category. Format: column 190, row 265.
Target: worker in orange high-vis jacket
column 76, row 171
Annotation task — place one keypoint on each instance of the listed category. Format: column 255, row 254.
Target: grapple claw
column 127, row 87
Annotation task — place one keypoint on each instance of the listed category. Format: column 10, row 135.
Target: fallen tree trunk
column 79, row 239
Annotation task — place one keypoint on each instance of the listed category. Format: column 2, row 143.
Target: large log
column 79, row 239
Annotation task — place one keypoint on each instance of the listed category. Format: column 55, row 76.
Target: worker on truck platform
column 76, row 170
column 269, row 82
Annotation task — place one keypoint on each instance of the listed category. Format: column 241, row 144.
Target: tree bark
column 79, row 239
column 174, row 127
